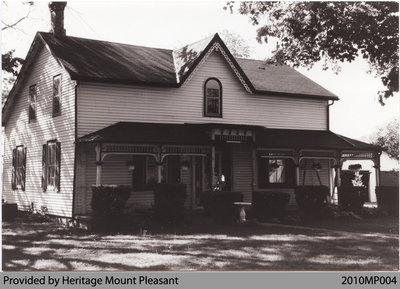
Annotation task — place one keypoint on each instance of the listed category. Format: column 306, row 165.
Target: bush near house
column 169, row 201
column 388, row 199
column 352, row 198
column 108, row 204
column 311, row 199
column 219, row 204
column 267, row 205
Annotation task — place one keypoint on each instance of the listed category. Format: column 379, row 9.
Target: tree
column 333, row 32
column 236, row 45
column 11, row 64
column 388, row 138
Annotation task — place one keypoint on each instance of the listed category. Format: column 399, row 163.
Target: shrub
column 9, row 211
column 388, row 199
column 108, row 204
column 352, row 198
column 169, row 201
column 311, row 199
column 219, row 205
column 269, row 204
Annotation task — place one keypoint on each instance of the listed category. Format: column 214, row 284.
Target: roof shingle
column 102, row 61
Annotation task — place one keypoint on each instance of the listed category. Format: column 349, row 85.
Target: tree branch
column 7, row 26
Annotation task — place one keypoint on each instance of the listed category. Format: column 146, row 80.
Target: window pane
column 52, row 154
column 213, row 105
column 20, row 157
column 56, row 85
column 212, row 83
column 52, row 173
column 56, row 95
column 212, row 92
column 32, row 93
column 276, row 170
column 213, row 98
column 32, row 102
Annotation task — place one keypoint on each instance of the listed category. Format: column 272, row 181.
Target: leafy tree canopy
column 334, row 32
column 388, row 138
column 11, row 64
column 236, row 45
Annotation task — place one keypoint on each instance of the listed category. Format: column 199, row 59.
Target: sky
column 173, row 24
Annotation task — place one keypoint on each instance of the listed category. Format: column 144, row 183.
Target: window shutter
column 14, row 172
column 23, row 169
column 44, row 168
column 58, row 165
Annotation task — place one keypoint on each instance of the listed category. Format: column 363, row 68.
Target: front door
column 223, row 167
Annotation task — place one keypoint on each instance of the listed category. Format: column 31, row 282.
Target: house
column 86, row 112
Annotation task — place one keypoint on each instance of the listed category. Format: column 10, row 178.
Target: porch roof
column 150, row 133
column 197, row 134
column 310, row 139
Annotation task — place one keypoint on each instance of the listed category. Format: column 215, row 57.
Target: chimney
column 57, row 18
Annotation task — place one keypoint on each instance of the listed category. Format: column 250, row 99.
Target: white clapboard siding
column 242, row 171
column 100, row 105
column 33, row 135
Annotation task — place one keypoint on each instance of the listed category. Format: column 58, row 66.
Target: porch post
column 297, row 166
column 377, row 166
column 213, row 179
column 338, row 180
column 159, row 177
column 254, row 168
column 98, row 164
column 297, row 174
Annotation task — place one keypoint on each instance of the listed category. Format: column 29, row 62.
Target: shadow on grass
column 48, row 246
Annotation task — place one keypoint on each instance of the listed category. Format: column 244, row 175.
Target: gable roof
column 95, row 60
column 103, row 61
column 280, row 79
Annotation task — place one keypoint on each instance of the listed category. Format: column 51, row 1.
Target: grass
column 205, row 246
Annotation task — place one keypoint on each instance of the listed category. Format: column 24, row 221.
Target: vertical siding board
column 100, row 105
column 33, row 135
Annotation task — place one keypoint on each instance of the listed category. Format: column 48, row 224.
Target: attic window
column 213, row 98
column 32, row 102
column 57, row 95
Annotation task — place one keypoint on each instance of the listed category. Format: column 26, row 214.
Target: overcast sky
column 174, row 24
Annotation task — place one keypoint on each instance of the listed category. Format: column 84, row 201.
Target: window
column 51, row 162
column 213, row 98
column 57, row 95
column 19, row 168
column 32, row 102
column 275, row 173
column 139, row 173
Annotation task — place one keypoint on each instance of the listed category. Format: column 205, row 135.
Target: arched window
column 213, row 98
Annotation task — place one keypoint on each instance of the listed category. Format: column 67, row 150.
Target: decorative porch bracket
column 159, row 152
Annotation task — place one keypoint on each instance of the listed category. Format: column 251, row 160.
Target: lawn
column 49, row 246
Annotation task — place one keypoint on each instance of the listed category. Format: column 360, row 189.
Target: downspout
column 75, row 151
column 327, row 108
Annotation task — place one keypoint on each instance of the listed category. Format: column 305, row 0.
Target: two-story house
column 86, row 112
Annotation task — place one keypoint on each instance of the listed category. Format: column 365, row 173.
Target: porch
column 211, row 156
